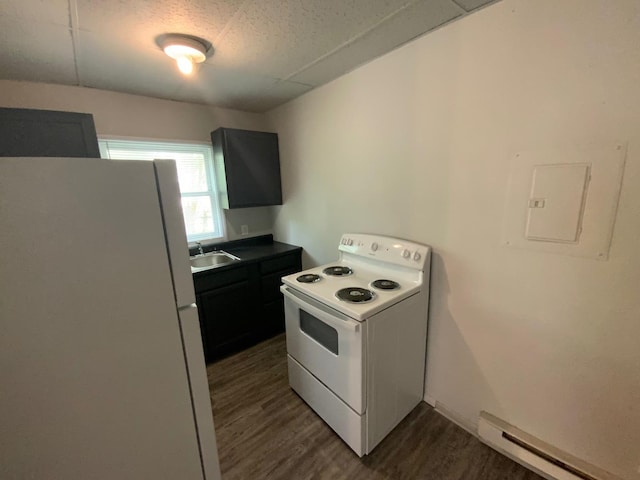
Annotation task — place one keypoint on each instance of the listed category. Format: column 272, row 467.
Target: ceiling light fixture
column 185, row 51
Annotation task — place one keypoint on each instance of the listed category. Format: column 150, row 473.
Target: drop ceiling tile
column 115, row 64
column 46, row 11
column 406, row 25
column 469, row 5
column 278, row 37
column 224, row 88
column 43, row 54
column 282, row 92
column 143, row 20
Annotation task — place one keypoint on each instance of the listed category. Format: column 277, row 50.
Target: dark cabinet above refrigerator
column 47, row 133
column 247, row 167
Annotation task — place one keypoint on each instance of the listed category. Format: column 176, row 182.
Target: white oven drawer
column 329, row 345
column 342, row 419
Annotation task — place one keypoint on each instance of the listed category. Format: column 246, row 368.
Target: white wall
column 124, row 115
column 418, row 144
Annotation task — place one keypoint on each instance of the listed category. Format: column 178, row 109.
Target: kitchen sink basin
column 212, row 259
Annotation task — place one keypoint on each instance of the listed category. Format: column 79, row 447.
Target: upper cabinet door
column 247, row 167
column 47, row 133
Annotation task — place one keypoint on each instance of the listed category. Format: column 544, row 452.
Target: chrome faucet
column 200, row 251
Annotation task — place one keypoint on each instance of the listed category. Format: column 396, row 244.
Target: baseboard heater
column 541, row 457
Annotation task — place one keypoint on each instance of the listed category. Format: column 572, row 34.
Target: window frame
column 212, row 184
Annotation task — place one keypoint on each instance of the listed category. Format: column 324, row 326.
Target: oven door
column 329, row 344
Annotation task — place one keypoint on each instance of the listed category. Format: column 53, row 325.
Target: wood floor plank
column 266, row 431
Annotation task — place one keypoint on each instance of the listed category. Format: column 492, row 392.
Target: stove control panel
column 387, row 249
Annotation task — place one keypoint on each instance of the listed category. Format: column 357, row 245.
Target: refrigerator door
column 178, row 251
column 92, row 365
column 200, row 390
column 177, row 246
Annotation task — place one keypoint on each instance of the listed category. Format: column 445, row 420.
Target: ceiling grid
column 73, row 30
column 265, row 52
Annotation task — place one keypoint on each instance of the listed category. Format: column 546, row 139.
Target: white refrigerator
column 102, row 374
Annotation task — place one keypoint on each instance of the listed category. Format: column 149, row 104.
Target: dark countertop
column 260, row 252
column 248, row 251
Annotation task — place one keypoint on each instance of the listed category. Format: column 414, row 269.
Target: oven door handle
column 337, row 319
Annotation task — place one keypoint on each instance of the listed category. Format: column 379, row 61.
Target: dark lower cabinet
column 227, row 316
column 274, row 317
column 272, row 300
column 241, row 306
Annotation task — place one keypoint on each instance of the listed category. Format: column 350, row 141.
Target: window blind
column 202, row 214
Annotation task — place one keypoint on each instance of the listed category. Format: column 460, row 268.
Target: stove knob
column 349, row 242
column 406, row 253
column 416, row 256
column 374, row 246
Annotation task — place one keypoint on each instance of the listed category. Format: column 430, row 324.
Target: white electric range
column 356, row 335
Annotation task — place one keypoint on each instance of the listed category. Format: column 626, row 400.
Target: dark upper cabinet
column 247, row 167
column 47, row 133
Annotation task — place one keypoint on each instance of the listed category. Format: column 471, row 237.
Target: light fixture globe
column 185, row 51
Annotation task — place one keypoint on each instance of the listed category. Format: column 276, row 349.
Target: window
column 202, row 213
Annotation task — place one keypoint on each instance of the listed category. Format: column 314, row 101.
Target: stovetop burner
column 308, row 278
column 337, row 271
column 355, row 295
column 384, row 284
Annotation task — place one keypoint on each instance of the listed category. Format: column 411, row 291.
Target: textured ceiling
column 265, row 52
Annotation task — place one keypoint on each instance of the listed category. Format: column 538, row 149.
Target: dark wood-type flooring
column 265, row 431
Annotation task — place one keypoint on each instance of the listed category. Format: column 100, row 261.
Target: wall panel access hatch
column 556, row 202
column 564, row 200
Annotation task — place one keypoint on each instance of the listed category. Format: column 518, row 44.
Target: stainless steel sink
column 211, row 260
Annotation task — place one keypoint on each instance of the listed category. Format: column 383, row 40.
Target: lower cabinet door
column 273, row 304
column 273, row 321
column 228, row 317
